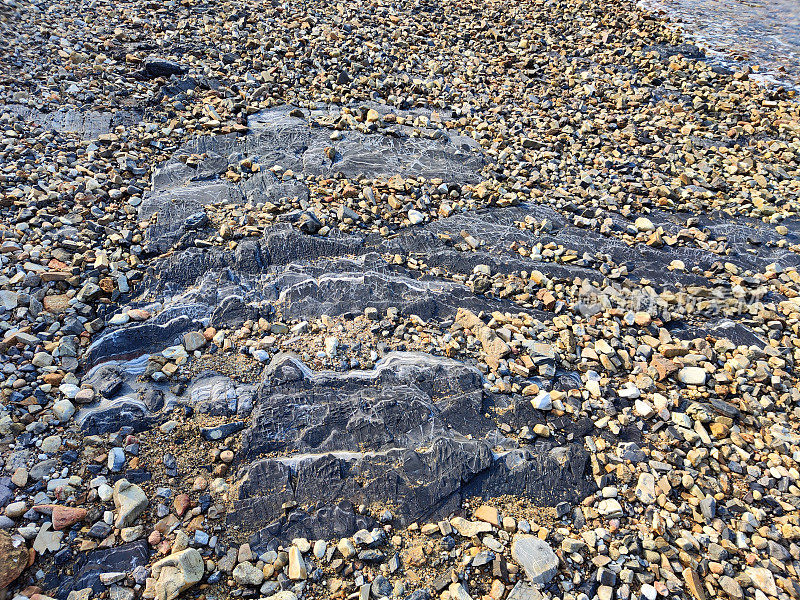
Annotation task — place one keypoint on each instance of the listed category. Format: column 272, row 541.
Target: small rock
column 415, row 217
column 692, row 376
column 116, row 460
column 194, row 340
column 47, row 540
column 177, row 573
column 346, row 547
column 20, row 477
column 63, row 410
column 130, row 501
column 16, row 509
column 646, row 488
column 13, row 558
column 542, row 401
column 694, row 583
column 763, row 579
column 247, row 574
column 297, row 566
column 488, row 514
column 65, row 516
column 536, row 557
column 470, row 528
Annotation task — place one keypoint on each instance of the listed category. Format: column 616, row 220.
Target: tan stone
column 694, row 584
column 488, row 514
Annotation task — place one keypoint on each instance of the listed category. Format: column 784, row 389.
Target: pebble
column 63, row 410
column 130, row 501
column 415, row 217
column 297, row 566
column 247, row 574
column 116, row 460
column 20, row 477
column 692, row 376
column 177, row 573
column 536, row 557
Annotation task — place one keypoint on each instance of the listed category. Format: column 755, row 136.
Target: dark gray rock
column 88, row 566
column 397, row 432
column 232, row 312
column 108, row 417
column 220, row 432
column 108, row 381
column 137, row 339
column 412, row 431
column 6, row 491
column 160, row 67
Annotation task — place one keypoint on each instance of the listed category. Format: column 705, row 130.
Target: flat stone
column 47, row 540
column 694, row 584
column 763, row 579
column 542, row 401
column 458, row 591
column 13, row 558
column 692, row 375
column 20, row 337
column 470, row 528
column 116, row 460
column 246, row 573
column 346, row 547
column 42, row 359
column 63, row 410
column 609, row 507
column 489, row 514
column 66, row 516
column 646, row 488
column 708, row 506
column 84, row 396
column 8, row 299
column 523, row 590
column 415, row 217
column 20, row 477
column 731, row 587
column 643, row 409
column 181, row 504
column 51, row 444
column 155, row 66
column 194, row 340
column 536, row 557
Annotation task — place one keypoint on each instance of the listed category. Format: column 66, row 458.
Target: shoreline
column 769, row 78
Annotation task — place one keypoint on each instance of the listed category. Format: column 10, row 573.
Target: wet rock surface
column 398, row 432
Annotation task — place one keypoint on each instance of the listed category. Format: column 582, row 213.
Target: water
column 765, row 33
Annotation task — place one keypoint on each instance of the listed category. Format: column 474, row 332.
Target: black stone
column 159, row 67
column 88, row 567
